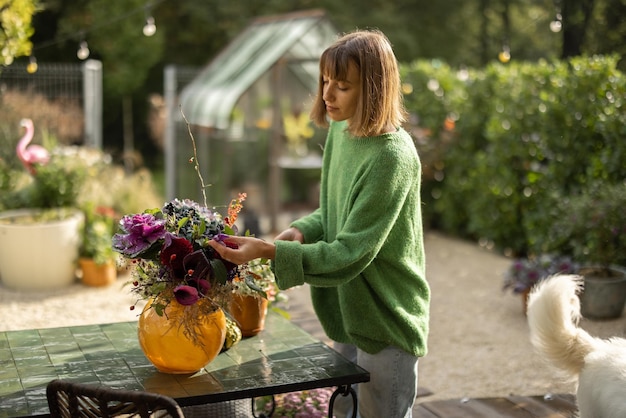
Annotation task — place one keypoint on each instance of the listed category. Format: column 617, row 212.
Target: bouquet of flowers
column 173, row 262
column 172, row 258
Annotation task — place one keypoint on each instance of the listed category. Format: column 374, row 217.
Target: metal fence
column 64, row 98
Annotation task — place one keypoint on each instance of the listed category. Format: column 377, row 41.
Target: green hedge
column 525, row 137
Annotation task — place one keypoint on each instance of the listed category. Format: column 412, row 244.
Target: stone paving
column 478, row 343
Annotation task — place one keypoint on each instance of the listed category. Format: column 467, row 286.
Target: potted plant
column 97, row 258
column 524, row 273
column 40, row 222
column 252, row 293
column 591, row 227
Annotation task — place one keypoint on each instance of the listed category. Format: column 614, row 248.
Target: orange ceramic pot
column 249, row 312
column 97, row 274
column 165, row 344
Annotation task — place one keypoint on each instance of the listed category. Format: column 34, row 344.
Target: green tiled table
column 282, row 358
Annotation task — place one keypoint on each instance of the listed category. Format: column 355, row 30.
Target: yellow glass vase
column 165, row 344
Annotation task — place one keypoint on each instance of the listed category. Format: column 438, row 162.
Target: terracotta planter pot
column 97, row 275
column 250, row 313
column 165, row 343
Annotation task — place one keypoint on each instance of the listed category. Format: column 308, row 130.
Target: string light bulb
column 149, row 28
column 31, row 68
column 557, row 24
column 505, row 55
column 83, row 51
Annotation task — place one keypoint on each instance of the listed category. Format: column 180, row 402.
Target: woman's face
column 341, row 96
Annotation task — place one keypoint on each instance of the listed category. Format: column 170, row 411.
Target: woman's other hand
column 290, row 234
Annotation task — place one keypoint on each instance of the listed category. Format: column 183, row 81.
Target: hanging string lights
column 505, row 55
column 149, row 28
column 557, row 24
column 31, row 68
column 83, row 52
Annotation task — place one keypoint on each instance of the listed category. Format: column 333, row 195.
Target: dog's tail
column 553, row 315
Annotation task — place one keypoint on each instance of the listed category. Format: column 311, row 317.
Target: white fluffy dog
column 599, row 365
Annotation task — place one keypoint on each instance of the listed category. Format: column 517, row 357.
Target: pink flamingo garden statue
column 33, row 154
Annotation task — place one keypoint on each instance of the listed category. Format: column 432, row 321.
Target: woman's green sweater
column 363, row 254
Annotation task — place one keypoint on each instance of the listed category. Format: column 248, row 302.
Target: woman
column 362, row 250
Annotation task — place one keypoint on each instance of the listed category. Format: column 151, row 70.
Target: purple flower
column 186, row 295
column 142, row 231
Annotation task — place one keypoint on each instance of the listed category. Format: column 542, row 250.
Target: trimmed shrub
column 526, row 136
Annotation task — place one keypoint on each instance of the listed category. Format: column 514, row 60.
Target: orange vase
column 249, row 312
column 167, row 347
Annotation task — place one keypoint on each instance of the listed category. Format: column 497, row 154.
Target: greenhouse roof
column 299, row 38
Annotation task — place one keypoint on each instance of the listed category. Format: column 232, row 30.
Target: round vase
column 165, row 344
column 37, row 254
column 249, row 312
column 97, row 275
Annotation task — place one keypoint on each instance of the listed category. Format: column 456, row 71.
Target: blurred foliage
column 60, row 117
column 75, row 177
column 55, row 184
column 98, row 229
column 591, row 225
column 16, row 29
column 126, row 53
column 527, row 136
column 192, row 33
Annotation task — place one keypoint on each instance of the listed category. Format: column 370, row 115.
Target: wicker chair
column 75, row 400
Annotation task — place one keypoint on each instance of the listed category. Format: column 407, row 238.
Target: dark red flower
column 186, row 295
column 173, row 254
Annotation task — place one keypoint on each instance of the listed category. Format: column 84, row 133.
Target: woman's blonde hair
column 380, row 102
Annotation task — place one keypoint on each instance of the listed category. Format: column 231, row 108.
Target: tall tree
column 576, row 17
column 607, row 31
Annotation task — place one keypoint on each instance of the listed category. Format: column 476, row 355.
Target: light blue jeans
column 392, row 388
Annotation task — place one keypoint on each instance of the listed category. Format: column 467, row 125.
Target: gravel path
column 478, row 344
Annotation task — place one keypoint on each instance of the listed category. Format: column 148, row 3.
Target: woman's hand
column 290, row 234
column 245, row 249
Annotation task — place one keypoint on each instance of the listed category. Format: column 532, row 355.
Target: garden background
column 516, row 125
